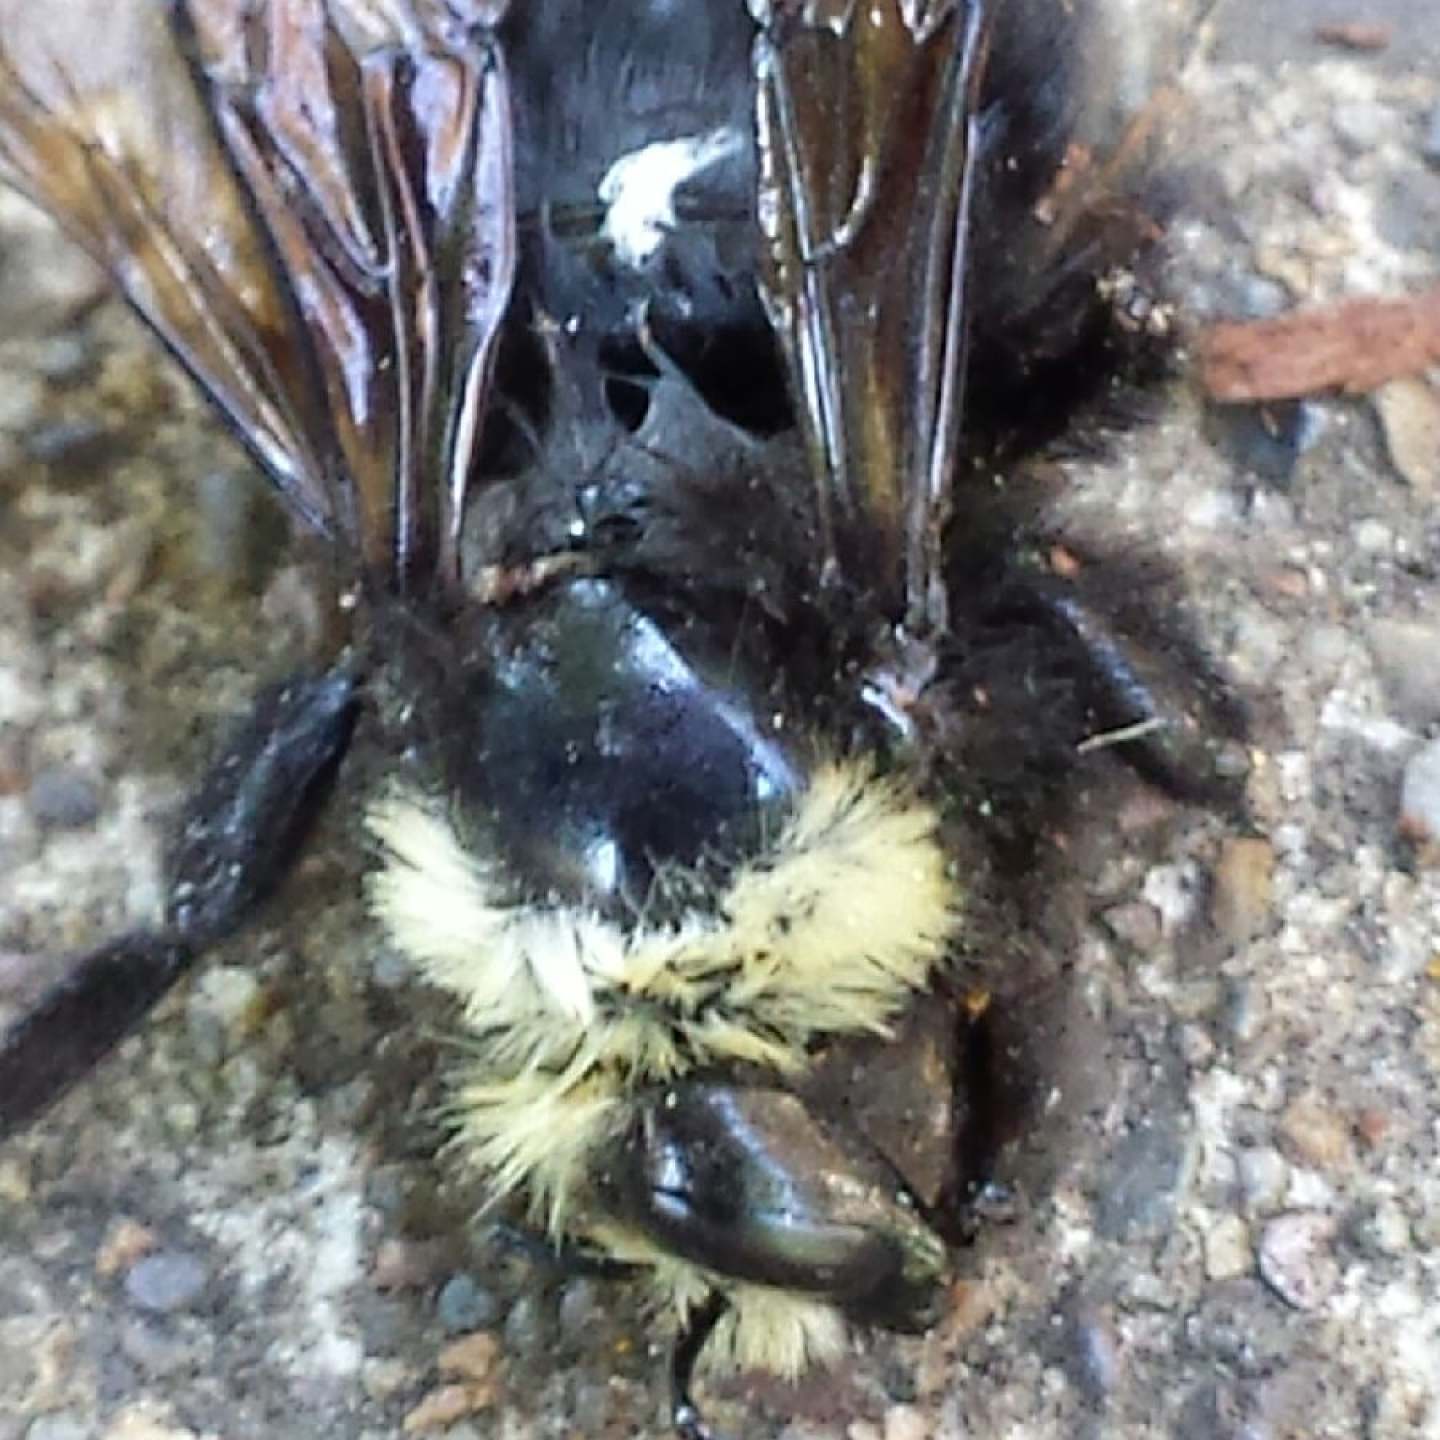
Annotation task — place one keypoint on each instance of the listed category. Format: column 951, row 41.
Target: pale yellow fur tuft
column 782, row 1331
column 763, row 1328
column 833, row 930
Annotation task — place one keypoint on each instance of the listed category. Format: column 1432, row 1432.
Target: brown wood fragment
column 1354, row 35
column 1353, row 346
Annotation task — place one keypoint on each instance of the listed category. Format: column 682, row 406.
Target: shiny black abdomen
column 591, row 748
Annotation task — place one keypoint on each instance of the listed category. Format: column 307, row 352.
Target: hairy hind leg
column 242, row 831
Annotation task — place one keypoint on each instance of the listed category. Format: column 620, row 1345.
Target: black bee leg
column 241, row 833
column 564, row 1256
column 254, row 809
column 1147, row 690
column 699, row 1326
column 102, row 997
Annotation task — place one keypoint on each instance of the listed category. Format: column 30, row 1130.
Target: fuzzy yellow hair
column 831, row 931
column 763, row 1327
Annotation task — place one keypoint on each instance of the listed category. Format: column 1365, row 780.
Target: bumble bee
column 646, row 367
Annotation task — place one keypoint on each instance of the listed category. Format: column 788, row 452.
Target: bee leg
column 699, row 1326
column 1153, row 698
column 564, row 1256
column 255, row 807
column 241, row 833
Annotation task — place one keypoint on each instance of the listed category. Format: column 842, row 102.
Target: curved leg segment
column 684, row 1412
column 241, row 833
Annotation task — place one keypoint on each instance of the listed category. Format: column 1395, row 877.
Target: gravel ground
column 237, row 1229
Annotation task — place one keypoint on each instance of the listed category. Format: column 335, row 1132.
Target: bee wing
column 341, row 299
column 112, row 143
column 866, row 117
column 382, row 174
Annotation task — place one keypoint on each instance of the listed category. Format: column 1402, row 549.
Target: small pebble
column 385, row 1377
column 1136, row 923
column 1354, row 35
column 1405, row 654
column 1373, row 537
column 1296, row 1260
column 1420, row 801
column 905, row 1422
column 442, row 1407
column 1173, row 890
column 1373, row 1126
column 131, row 382
column 231, row 994
column 473, row 1357
column 154, row 1348
column 125, row 1242
column 1099, row 1355
column 464, row 1305
column 1240, row 903
column 64, row 358
column 1259, row 645
column 167, row 1281
column 1409, row 412
column 73, row 444
column 1244, row 1010
column 579, row 1304
column 137, row 1424
column 1228, row 1250
column 17, row 1182
column 1260, row 297
column 1197, row 1047
column 64, row 797
column 1325, row 648
column 58, row 288
column 1384, row 1230
column 527, row 1327
column 1315, row 1133
column 1264, row 1179
column 1283, row 1404
column 22, row 397
column 59, row 1426
column 1360, row 125
column 405, row 1265
column 1268, row 440
column 1430, row 143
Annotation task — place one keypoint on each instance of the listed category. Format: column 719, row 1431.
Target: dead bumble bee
column 646, row 366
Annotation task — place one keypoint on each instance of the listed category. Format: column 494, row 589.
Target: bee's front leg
column 242, row 831
column 685, row 1414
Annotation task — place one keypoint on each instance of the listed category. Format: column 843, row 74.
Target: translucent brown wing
column 940, row 178
column 866, row 119
column 311, row 203
column 111, row 140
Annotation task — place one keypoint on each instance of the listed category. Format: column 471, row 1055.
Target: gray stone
column 1264, row 1177
column 156, row 1350
column 1407, row 655
column 1360, row 125
column 59, row 1426
column 528, row 1326
column 1430, row 141
column 71, row 443
column 1420, row 797
column 64, row 797
column 168, row 1280
column 464, row 1305
column 1296, row 1259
